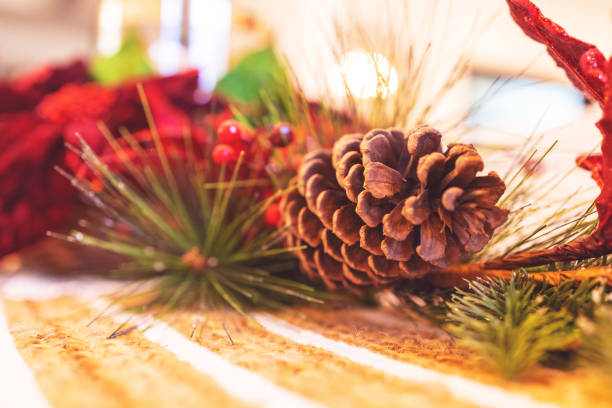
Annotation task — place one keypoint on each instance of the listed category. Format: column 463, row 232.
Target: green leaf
column 131, row 61
column 255, row 73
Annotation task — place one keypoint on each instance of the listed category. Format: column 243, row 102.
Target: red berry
column 248, row 135
column 281, row 135
column 229, row 132
column 232, row 132
column 223, row 154
column 272, row 215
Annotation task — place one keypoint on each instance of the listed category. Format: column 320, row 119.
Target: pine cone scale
column 345, row 224
column 355, row 276
column 382, row 181
column 345, row 164
column 383, row 268
column 309, row 227
column 371, row 210
column 332, row 245
column 355, row 257
column 371, row 239
column 353, row 182
column 326, row 203
column 433, row 239
column 416, row 209
column 395, row 225
column 397, row 250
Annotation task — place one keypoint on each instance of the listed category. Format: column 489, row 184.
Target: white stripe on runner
column 25, row 286
column 18, row 387
column 467, row 390
column 237, row 381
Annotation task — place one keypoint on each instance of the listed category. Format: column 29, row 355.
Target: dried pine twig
column 457, row 275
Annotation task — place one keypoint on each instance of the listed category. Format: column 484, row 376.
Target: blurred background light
column 523, row 105
column 209, row 33
column 169, row 56
column 364, row 75
column 110, row 18
column 168, row 52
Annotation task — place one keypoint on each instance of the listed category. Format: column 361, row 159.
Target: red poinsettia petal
column 11, row 100
column 180, row 89
column 77, row 102
column 29, row 88
column 33, row 196
column 52, row 77
column 583, row 63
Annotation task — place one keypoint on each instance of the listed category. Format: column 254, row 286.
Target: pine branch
column 192, row 229
column 516, row 323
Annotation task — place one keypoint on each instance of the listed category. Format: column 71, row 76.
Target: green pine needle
column 199, row 238
column 515, row 324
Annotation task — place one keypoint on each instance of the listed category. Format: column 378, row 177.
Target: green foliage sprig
column 196, row 241
column 515, row 324
column 596, row 350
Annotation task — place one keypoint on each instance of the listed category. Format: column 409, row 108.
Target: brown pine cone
column 389, row 205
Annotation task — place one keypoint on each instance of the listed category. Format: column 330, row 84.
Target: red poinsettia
column 40, row 112
column 591, row 73
column 33, row 196
column 26, row 91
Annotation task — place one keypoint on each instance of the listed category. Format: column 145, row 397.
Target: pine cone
column 389, row 206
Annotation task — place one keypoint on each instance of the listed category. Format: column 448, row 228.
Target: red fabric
column 604, row 201
column 77, row 102
column 583, row 63
column 591, row 73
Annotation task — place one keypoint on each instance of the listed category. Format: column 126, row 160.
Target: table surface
column 299, row 358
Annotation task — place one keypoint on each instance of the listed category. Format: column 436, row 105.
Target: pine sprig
column 199, row 242
column 515, row 324
column 596, row 350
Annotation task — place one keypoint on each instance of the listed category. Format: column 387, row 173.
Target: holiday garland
column 219, row 203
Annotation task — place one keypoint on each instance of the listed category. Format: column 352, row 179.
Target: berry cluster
column 234, row 137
